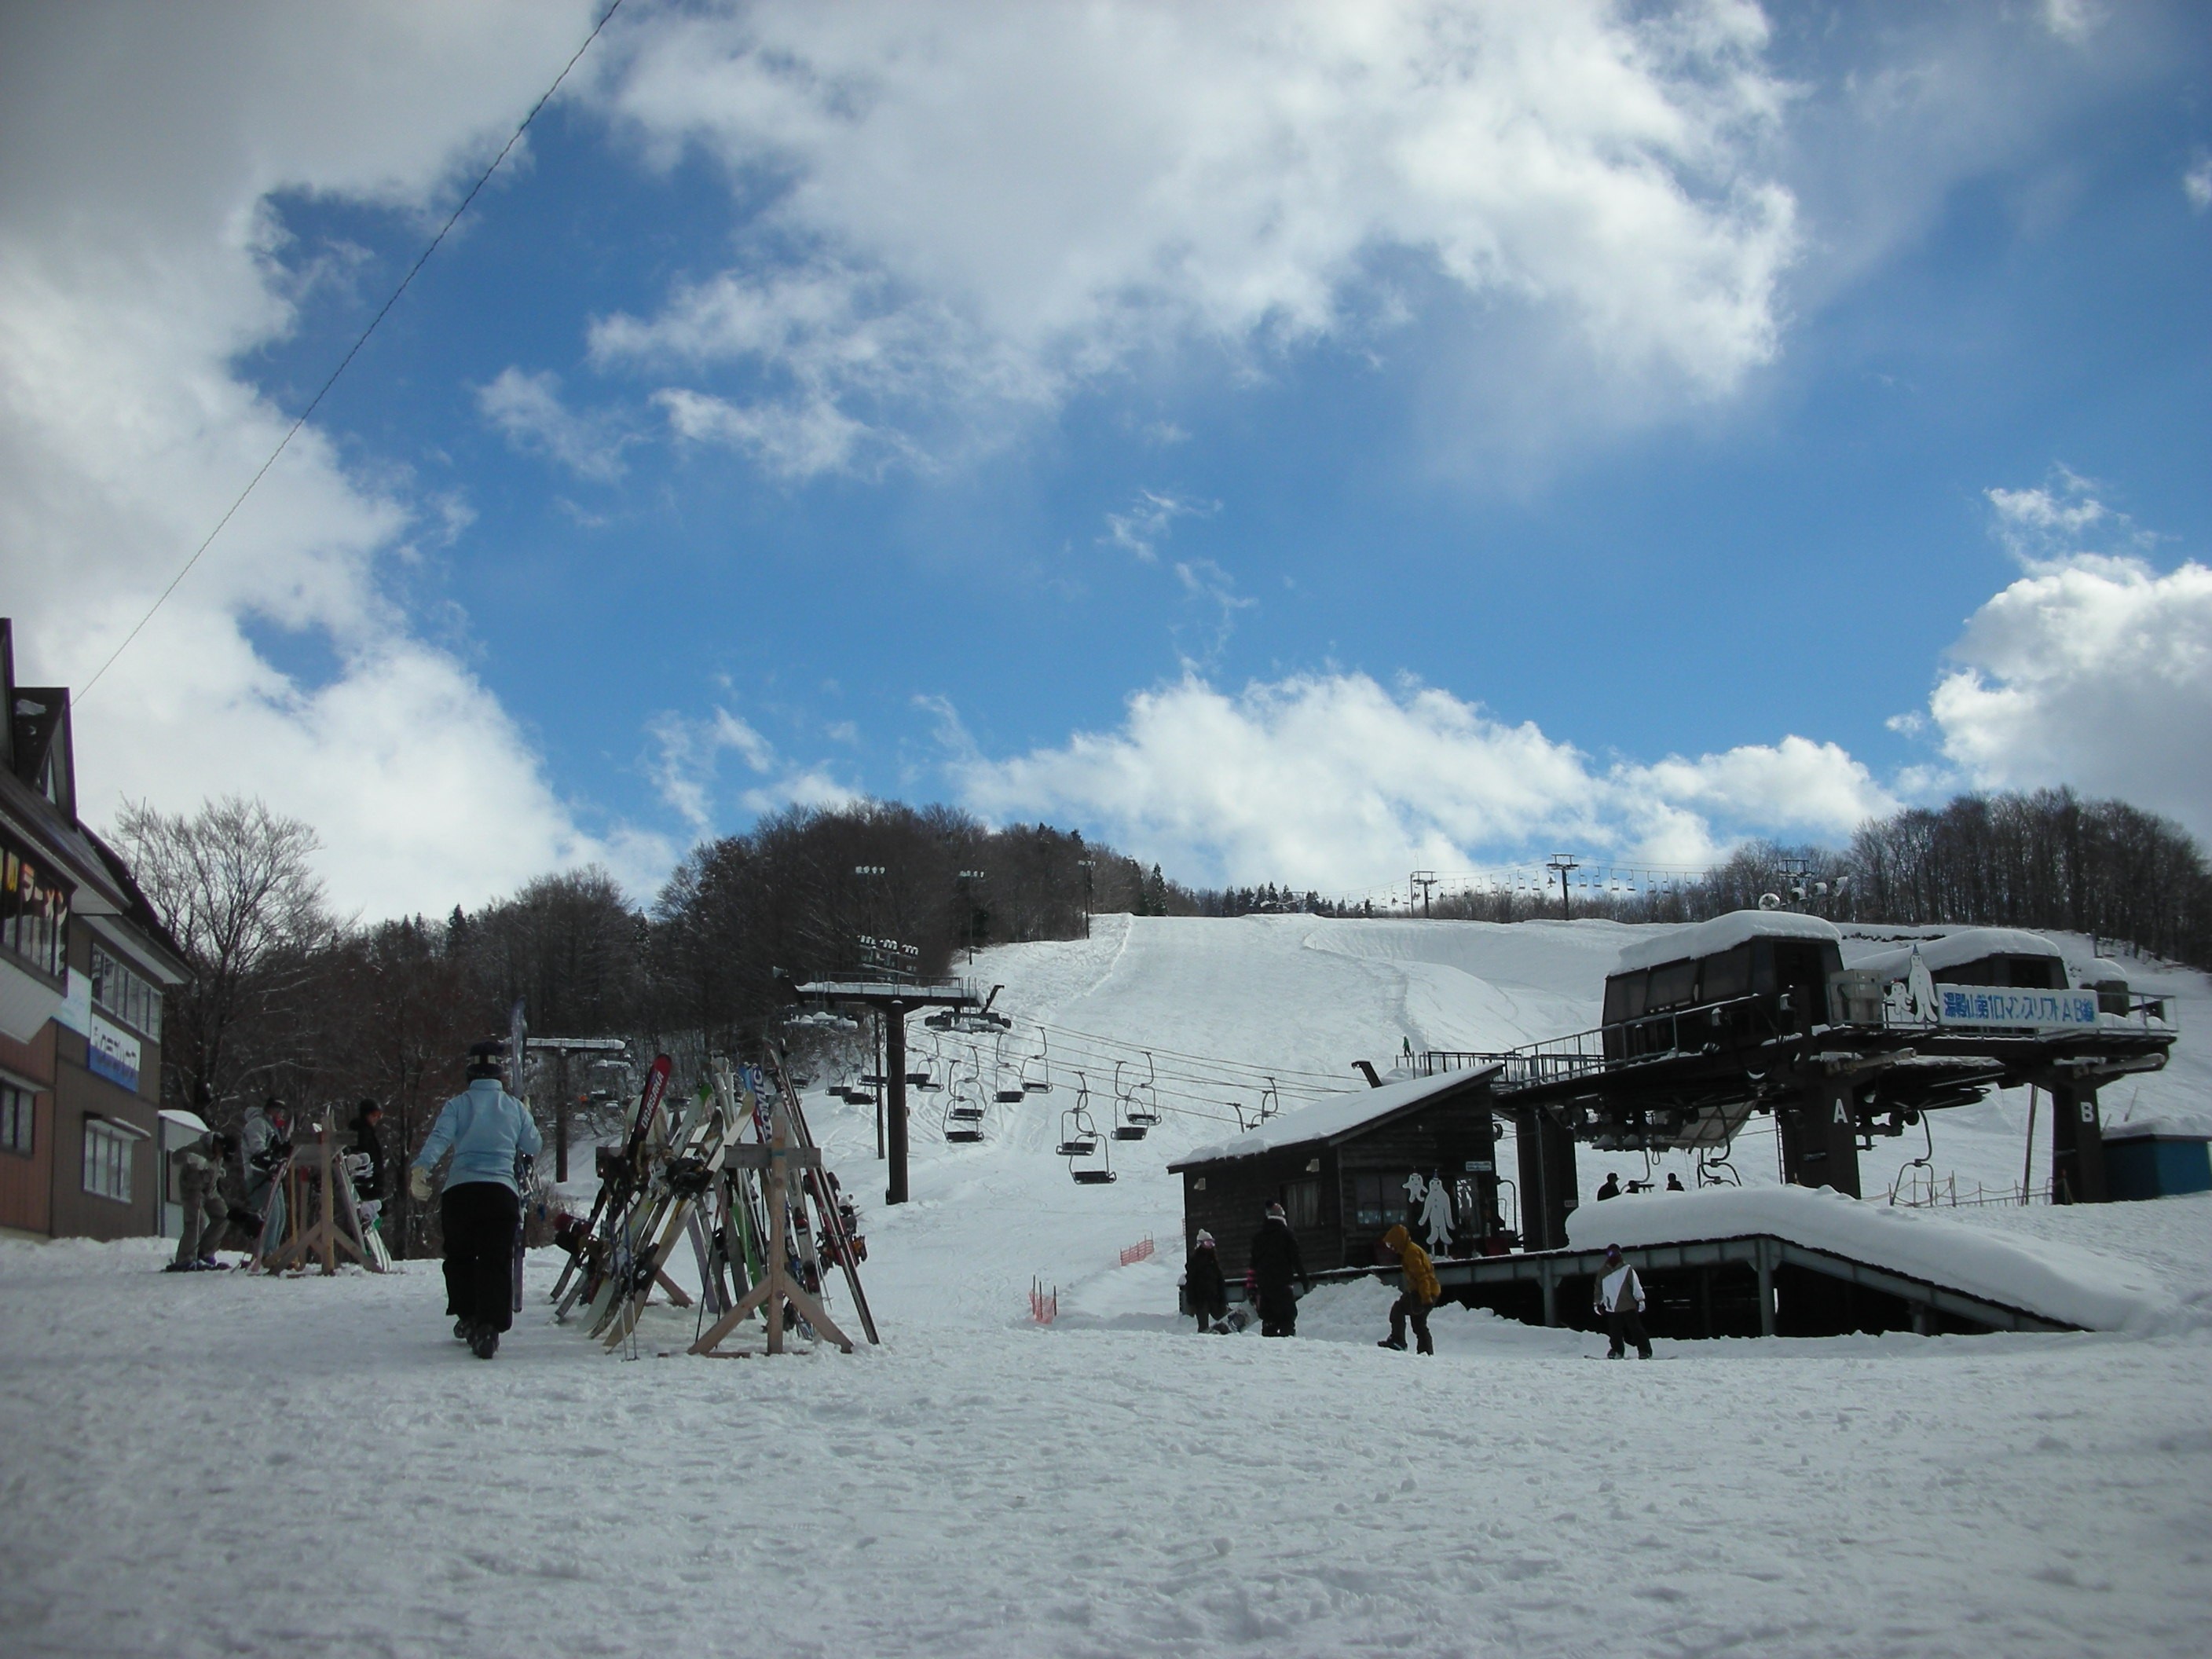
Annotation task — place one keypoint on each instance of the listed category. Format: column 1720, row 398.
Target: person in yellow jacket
column 1419, row 1295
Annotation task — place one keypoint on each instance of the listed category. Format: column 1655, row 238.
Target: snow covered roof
column 1706, row 939
column 2060, row 1282
column 2164, row 1127
column 1951, row 951
column 1333, row 1119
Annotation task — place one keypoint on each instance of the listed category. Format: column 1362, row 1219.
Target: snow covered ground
column 210, row 1464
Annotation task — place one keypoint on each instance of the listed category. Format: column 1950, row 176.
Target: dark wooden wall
column 1441, row 1139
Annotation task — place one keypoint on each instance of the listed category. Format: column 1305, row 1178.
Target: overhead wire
column 353, row 351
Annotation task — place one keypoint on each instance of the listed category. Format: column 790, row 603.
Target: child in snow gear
column 1610, row 1188
column 1419, row 1295
column 1205, row 1291
column 487, row 1130
column 1620, row 1300
column 1276, row 1268
column 1673, row 1181
column 199, row 1189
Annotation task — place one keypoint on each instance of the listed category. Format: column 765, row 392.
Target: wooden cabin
column 1739, row 979
column 1342, row 1171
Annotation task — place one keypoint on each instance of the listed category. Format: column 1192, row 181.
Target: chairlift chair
column 1041, row 1082
column 1086, row 1138
column 1144, row 1110
column 963, row 1120
column 1078, row 1134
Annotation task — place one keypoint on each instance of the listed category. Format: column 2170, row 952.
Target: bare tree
column 235, row 886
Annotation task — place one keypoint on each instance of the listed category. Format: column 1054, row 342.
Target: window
column 119, row 991
column 18, row 1114
column 1726, row 976
column 1301, row 1205
column 1673, row 985
column 106, row 1161
column 1377, row 1201
column 33, row 911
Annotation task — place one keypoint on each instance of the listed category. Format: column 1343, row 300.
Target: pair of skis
column 620, row 1183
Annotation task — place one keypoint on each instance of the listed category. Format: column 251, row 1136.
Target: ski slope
column 213, row 1465
column 1300, row 998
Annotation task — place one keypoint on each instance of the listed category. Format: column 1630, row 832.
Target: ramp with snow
column 1792, row 1260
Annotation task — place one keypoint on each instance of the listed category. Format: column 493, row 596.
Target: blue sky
column 1293, row 444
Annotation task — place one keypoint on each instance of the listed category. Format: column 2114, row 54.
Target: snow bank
column 2062, row 1282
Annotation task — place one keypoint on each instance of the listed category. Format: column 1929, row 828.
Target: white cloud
column 991, row 208
column 1148, row 521
column 2097, row 673
column 2072, row 21
column 2197, row 181
column 1331, row 780
column 683, row 769
column 792, row 439
column 528, row 410
column 138, row 150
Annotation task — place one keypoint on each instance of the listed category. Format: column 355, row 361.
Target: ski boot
column 483, row 1342
column 1396, row 1343
column 463, row 1331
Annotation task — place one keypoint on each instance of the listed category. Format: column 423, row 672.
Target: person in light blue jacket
column 488, row 1132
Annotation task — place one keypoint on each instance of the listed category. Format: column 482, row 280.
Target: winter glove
column 418, row 1182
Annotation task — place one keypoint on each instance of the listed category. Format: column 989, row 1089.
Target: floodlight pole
column 1562, row 862
column 968, row 898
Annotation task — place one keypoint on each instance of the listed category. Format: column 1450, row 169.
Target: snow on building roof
column 2167, row 1126
column 1893, row 960
column 1333, row 1118
column 1706, row 939
column 2060, row 1282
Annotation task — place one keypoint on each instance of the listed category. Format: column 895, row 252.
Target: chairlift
column 1714, row 1169
column 1124, row 1128
column 1040, row 1082
column 1144, row 1108
column 1001, row 1094
column 1080, row 1138
column 963, row 1120
column 1271, row 1101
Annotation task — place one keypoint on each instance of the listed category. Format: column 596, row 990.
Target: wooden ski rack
column 313, row 1214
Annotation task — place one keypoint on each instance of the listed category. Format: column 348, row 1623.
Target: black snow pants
column 480, row 1219
column 1279, row 1309
column 1407, row 1308
column 1626, row 1325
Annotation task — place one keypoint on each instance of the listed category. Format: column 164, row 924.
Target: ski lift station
column 1759, row 1012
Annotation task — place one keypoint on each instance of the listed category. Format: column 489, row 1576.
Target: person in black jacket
column 1276, row 1268
column 366, row 1165
column 1204, row 1289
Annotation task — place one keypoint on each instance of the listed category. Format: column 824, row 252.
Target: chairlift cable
column 353, row 351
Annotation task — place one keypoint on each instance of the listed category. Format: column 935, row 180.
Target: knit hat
column 1275, row 1212
column 1205, row 1239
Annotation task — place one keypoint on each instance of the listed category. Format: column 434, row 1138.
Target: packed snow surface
column 210, row 1464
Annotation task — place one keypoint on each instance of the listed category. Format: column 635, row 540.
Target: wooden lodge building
column 83, row 964
column 1343, row 1171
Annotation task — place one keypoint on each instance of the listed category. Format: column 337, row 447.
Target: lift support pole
column 894, row 1001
